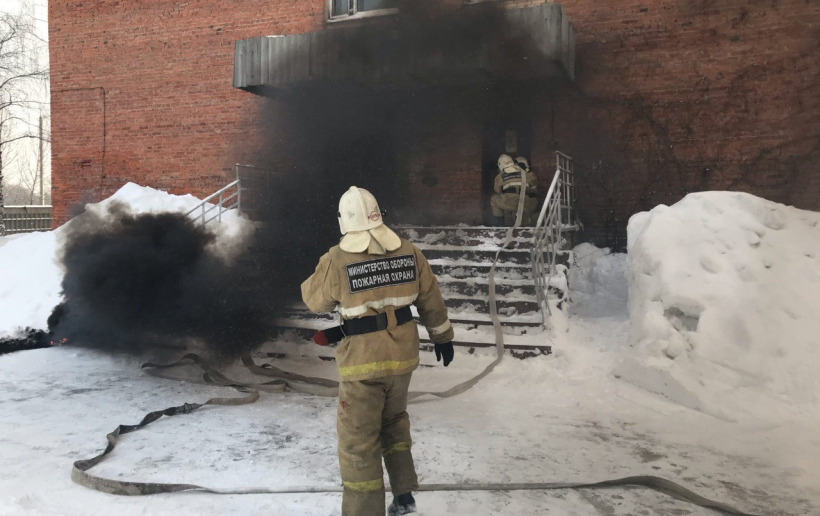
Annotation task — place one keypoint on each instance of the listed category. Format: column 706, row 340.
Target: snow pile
column 141, row 199
column 597, row 281
column 724, row 297
column 30, row 288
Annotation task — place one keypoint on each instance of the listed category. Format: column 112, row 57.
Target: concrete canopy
column 371, row 54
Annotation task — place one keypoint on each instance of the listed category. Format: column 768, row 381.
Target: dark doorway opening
column 513, row 137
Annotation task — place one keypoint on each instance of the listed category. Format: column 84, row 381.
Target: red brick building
column 668, row 97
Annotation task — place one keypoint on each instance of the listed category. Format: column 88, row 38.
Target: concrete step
column 443, row 259
column 492, row 244
column 466, row 317
column 477, row 271
column 480, row 287
column 476, row 255
column 456, row 305
column 459, row 327
column 521, row 342
column 410, row 230
column 461, row 258
column 480, row 237
column 475, row 236
column 431, row 233
column 459, row 303
column 308, row 349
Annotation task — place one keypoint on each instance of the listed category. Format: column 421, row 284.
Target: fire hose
column 81, row 476
column 282, row 380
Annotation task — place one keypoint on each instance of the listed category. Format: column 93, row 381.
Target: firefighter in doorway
column 372, row 277
column 511, row 176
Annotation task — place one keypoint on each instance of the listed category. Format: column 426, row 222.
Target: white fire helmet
column 522, row 162
column 505, row 161
column 360, row 220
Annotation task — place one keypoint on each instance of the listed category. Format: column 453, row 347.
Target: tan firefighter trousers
column 373, row 422
column 506, row 205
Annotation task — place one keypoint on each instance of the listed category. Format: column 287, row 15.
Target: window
column 347, row 9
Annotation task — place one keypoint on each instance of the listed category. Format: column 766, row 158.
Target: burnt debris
column 31, row 339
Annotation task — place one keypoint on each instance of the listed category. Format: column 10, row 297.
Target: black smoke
column 139, row 281
column 324, row 135
column 161, row 280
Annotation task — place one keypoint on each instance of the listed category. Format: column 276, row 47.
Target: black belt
column 361, row 325
column 515, row 189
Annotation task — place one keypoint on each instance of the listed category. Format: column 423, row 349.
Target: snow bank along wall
column 723, row 302
column 669, row 97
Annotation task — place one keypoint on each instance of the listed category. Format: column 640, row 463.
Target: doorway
column 513, row 137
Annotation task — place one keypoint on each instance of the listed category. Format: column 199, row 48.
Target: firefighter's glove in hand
column 445, row 350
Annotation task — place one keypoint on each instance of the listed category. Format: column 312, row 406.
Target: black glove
column 445, row 350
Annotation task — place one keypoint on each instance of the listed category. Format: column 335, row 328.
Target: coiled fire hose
column 324, row 387
column 81, row 476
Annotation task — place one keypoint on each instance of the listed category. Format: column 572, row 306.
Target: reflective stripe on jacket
column 509, row 180
column 361, row 284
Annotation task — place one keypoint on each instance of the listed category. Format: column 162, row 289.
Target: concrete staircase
column 461, row 257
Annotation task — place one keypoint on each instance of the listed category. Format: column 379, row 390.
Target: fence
column 27, row 219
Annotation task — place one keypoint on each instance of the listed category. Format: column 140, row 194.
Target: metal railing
column 227, row 198
column 27, row 219
column 556, row 216
column 567, row 184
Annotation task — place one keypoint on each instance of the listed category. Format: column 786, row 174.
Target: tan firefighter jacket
column 362, row 284
column 510, row 179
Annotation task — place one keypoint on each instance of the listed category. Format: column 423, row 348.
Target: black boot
column 402, row 504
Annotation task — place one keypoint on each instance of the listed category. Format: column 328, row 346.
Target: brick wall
column 671, row 96
column 680, row 96
column 161, row 72
column 78, row 160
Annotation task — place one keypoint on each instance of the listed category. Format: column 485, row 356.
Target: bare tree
column 21, row 75
column 28, row 180
column 14, row 194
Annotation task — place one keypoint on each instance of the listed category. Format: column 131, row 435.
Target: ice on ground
column 724, row 297
column 32, row 274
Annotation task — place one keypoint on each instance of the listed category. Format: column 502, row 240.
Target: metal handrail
column 223, row 204
column 556, row 211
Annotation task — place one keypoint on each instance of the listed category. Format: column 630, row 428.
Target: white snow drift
column 724, row 297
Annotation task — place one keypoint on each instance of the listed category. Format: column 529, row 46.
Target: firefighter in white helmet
column 512, row 175
column 372, row 277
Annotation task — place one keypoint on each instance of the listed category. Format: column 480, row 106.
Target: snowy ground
column 564, row 417
column 560, row 418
